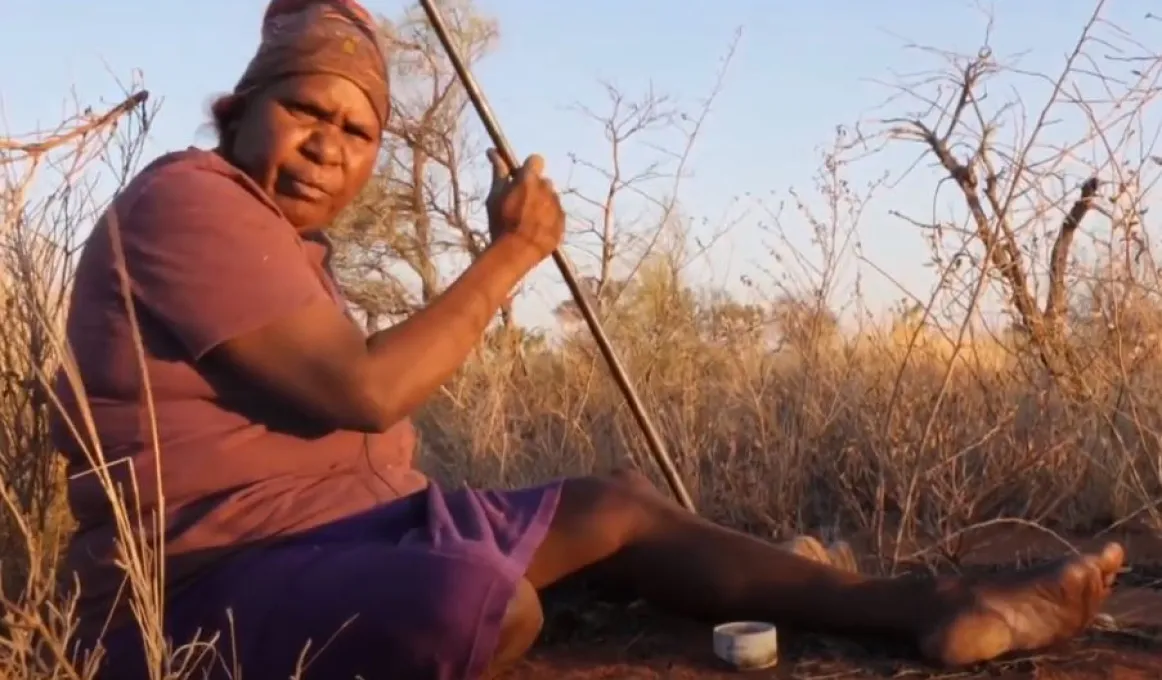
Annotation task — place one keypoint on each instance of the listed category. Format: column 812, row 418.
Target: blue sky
column 801, row 68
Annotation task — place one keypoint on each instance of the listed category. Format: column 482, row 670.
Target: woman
column 283, row 445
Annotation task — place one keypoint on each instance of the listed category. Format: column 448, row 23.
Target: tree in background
column 420, row 215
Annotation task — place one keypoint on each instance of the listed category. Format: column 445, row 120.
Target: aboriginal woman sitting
column 276, row 431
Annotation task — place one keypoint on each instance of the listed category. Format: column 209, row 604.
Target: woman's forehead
column 330, row 91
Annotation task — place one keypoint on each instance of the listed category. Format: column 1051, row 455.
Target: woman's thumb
column 500, row 169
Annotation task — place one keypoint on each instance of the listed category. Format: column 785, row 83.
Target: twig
column 91, row 124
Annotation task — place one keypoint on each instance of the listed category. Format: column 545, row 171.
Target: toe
column 843, row 556
column 1077, row 573
column 1086, row 588
column 1111, row 558
column 808, row 547
column 1108, row 563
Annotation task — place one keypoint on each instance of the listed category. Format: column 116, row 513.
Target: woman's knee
column 522, row 623
column 624, row 501
column 596, row 518
column 635, row 482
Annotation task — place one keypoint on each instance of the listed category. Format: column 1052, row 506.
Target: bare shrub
column 919, row 426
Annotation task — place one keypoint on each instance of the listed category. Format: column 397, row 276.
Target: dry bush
column 914, row 428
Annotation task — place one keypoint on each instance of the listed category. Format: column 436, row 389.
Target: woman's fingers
column 533, row 168
column 500, row 170
column 524, row 202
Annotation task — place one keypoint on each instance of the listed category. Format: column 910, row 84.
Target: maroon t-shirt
column 205, row 257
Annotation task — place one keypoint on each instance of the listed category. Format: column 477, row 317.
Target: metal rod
column 654, row 441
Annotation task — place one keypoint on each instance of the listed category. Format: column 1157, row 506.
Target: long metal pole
column 657, row 449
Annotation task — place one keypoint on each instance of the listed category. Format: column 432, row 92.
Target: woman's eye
column 358, row 132
column 301, row 109
column 309, row 112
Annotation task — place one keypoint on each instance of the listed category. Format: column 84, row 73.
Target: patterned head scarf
column 337, row 37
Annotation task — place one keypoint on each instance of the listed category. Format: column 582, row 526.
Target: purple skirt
column 416, row 588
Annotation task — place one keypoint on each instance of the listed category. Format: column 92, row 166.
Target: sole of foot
column 1024, row 610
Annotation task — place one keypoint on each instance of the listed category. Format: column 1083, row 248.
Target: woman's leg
column 519, row 630
column 622, row 528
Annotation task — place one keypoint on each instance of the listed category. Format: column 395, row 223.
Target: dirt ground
column 588, row 640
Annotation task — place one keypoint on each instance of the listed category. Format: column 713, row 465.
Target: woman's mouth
column 293, row 187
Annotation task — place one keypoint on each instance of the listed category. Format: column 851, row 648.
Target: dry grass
column 778, row 440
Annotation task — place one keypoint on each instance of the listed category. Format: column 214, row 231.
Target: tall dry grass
column 802, row 438
column 55, row 185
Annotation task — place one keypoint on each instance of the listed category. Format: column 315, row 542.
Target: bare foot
column 1026, row 610
column 839, row 554
column 843, row 557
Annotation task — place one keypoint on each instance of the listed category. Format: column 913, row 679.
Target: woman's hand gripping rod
column 657, row 449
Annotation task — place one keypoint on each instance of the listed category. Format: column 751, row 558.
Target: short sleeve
column 209, row 259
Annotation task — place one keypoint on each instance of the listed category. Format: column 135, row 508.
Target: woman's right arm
column 316, row 360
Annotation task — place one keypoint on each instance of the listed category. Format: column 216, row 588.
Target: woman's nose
column 321, row 147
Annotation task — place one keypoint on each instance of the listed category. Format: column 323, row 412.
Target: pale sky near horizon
column 801, row 69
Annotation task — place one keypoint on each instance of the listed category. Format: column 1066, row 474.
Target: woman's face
column 310, row 142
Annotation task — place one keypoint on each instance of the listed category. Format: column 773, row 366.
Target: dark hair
column 224, row 111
